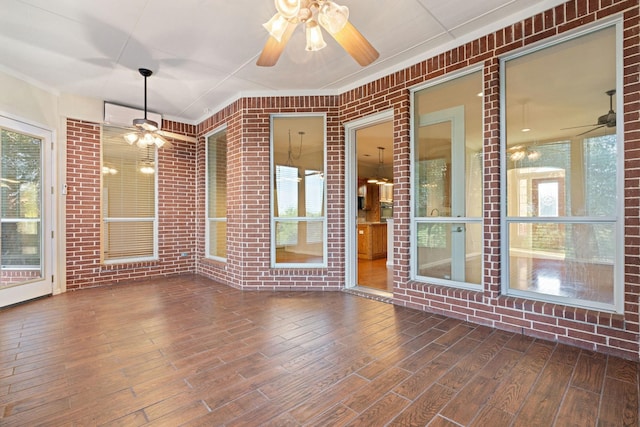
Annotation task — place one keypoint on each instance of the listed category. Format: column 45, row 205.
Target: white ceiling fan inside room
column 315, row 15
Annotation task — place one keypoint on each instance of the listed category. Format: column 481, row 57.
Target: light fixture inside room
column 520, row 152
column 147, row 132
column 379, row 178
column 147, row 166
column 291, row 156
column 108, row 170
column 314, row 14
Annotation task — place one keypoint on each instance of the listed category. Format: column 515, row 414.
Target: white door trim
column 351, row 191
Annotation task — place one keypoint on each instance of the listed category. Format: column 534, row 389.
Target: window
column 298, row 191
column 561, row 166
column 447, row 187
column 129, row 213
column 216, row 231
column 21, row 200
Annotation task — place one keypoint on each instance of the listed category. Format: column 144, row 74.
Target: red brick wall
column 248, row 121
column 177, row 215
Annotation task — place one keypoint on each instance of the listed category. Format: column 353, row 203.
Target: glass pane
column 217, row 175
column 561, row 138
column 566, row 260
column 299, row 241
column 218, row 239
column 20, row 206
column 437, row 251
column 448, row 148
column 128, row 239
column 298, row 189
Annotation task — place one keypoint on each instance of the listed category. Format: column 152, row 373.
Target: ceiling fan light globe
column 315, row 41
column 131, row 137
column 288, row 8
column 333, row 17
column 276, row 26
column 159, row 141
column 147, row 169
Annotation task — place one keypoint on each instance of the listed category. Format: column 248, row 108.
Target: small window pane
column 563, row 259
column 299, row 242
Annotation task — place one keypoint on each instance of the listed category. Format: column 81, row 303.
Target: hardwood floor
column 186, row 350
column 375, row 274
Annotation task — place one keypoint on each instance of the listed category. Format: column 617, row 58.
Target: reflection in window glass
column 298, row 190
column 561, row 172
column 217, row 195
column 447, row 187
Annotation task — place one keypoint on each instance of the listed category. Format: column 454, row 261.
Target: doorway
column 26, row 212
column 369, row 203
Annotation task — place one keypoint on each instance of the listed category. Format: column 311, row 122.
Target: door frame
column 351, row 191
column 44, row 286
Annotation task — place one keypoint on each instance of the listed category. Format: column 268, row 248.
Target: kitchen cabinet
column 372, row 240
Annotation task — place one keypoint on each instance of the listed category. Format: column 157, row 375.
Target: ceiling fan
column 314, row 14
column 146, row 132
column 605, row 120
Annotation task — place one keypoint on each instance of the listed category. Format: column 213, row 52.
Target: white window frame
column 210, row 219
column 506, row 221
column 415, row 220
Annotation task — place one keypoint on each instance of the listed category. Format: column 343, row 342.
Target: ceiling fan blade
column 582, row 126
column 177, row 136
column 590, row 130
column 356, row 45
column 273, row 48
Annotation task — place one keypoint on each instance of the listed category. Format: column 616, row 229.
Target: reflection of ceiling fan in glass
column 605, row 120
column 314, row 14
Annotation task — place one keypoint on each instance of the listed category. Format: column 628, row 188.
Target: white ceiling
column 203, row 52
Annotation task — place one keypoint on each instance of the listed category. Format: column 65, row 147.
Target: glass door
column 25, row 210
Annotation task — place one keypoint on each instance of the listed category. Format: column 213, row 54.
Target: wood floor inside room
column 375, row 274
column 189, row 351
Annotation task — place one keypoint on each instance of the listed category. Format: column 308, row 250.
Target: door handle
column 457, row 229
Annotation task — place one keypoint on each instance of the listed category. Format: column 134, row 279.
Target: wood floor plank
column 467, row 403
column 185, row 350
column 541, row 406
column 381, row 412
column 618, row 404
column 589, row 373
column 579, row 408
column 425, row 407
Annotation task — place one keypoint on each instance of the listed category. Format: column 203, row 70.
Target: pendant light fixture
column 379, row 178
